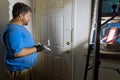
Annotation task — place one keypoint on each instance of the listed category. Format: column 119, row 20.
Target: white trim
column 33, row 18
column 72, row 42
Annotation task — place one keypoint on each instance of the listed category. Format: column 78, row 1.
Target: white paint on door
column 53, row 20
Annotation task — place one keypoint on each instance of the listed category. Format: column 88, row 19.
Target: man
column 20, row 48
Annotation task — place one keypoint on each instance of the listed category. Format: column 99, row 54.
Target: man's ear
column 21, row 15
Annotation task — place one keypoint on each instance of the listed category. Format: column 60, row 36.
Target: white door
column 53, row 22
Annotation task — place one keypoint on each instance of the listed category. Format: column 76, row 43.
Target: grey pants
column 21, row 75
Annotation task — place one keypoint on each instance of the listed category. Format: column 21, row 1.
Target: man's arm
column 28, row 51
column 25, row 52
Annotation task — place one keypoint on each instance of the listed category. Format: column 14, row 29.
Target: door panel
column 53, row 20
column 44, row 29
column 57, row 30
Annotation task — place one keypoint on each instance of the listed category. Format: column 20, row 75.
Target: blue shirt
column 15, row 38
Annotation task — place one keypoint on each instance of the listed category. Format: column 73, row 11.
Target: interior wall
column 81, row 32
column 4, row 18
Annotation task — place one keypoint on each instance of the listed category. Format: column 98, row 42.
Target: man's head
column 22, row 12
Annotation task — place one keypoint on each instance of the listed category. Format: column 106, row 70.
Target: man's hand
column 39, row 47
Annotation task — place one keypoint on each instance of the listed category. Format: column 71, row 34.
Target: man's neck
column 15, row 21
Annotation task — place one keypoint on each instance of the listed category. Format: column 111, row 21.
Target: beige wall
column 81, row 31
column 4, row 18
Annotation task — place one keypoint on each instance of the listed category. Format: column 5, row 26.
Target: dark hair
column 19, row 8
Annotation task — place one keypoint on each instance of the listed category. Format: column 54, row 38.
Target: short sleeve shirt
column 16, row 38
